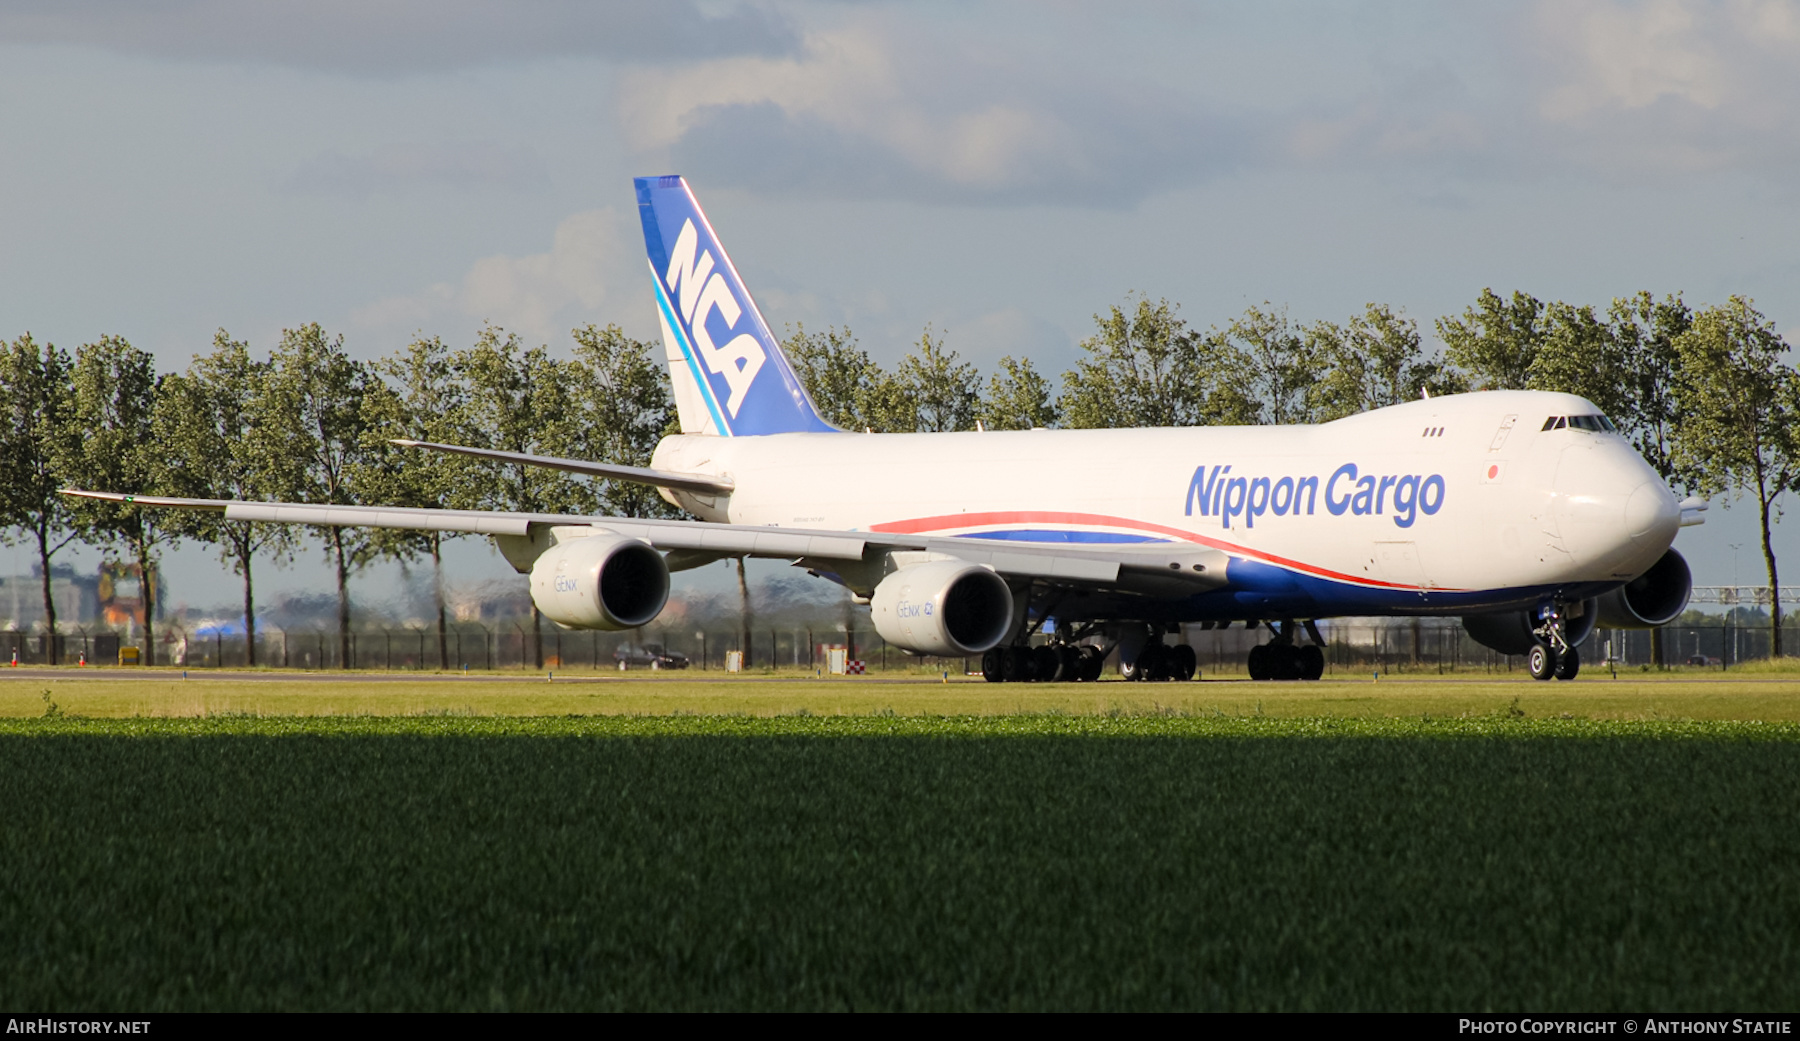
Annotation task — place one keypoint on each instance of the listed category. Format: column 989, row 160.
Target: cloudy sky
column 999, row 171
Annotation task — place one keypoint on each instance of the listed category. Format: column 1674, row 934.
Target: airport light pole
column 1737, row 649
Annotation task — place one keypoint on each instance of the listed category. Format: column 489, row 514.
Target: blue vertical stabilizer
column 729, row 374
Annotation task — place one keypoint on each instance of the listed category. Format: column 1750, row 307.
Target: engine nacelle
column 1656, row 597
column 1509, row 632
column 947, row 607
column 600, row 582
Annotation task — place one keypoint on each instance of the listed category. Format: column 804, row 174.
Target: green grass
column 162, row 694
column 875, row 862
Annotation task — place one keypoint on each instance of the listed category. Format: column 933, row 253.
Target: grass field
column 1740, row 695
column 1474, row 843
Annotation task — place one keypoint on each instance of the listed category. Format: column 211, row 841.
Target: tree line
column 309, row 423
column 1707, row 395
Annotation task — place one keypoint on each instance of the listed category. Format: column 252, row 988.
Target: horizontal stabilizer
column 702, row 483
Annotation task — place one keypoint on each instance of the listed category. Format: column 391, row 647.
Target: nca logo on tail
column 724, row 362
column 742, row 357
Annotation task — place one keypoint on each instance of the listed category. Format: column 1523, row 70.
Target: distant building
column 22, row 599
column 110, row 598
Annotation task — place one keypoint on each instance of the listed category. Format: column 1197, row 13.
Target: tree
column 1374, row 360
column 1739, row 403
column 1578, row 354
column 746, row 618
column 1145, row 368
column 836, row 373
column 1646, row 331
column 1495, row 342
column 1275, row 365
column 310, row 423
column 417, row 397
column 512, row 395
column 943, row 390
column 1018, row 398
column 114, row 401
column 209, row 443
column 619, row 408
column 34, row 429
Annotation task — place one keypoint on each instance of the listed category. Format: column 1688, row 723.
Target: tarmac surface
column 550, row 675
column 129, row 674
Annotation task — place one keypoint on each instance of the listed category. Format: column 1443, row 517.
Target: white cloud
column 1673, row 84
column 591, row 273
column 849, row 81
column 872, row 107
column 1630, row 57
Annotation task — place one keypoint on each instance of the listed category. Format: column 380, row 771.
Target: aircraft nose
column 1615, row 513
column 1652, row 514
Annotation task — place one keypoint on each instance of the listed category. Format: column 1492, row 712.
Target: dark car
column 650, row 655
column 1701, row 659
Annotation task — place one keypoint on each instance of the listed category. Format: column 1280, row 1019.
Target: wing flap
column 1036, row 565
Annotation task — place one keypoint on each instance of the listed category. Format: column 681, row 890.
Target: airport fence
column 1419, row 645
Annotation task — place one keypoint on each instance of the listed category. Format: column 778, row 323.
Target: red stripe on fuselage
column 934, row 525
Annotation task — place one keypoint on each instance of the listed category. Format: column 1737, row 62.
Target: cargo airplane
column 1525, row 514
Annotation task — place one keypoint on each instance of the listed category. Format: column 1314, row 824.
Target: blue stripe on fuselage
column 1055, row 535
column 1258, row 590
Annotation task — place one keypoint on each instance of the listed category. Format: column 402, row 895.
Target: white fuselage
column 1449, row 496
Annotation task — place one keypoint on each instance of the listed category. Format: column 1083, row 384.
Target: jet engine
column 1509, row 632
column 947, row 607
column 1654, row 598
column 600, row 582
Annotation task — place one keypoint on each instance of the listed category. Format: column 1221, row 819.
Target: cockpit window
column 1597, row 424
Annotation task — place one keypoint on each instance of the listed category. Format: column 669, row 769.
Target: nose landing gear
column 1553, row 655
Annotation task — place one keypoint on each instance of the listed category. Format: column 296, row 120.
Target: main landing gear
column 1553, row 655
column 1159, row 661
column 1051, row 663
column 1282, row 659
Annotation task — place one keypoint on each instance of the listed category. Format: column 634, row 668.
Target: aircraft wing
column 705, row 484
column 1154, row 569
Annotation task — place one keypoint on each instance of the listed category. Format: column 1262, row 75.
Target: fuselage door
column 1399, row 563
column 1506, row 426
